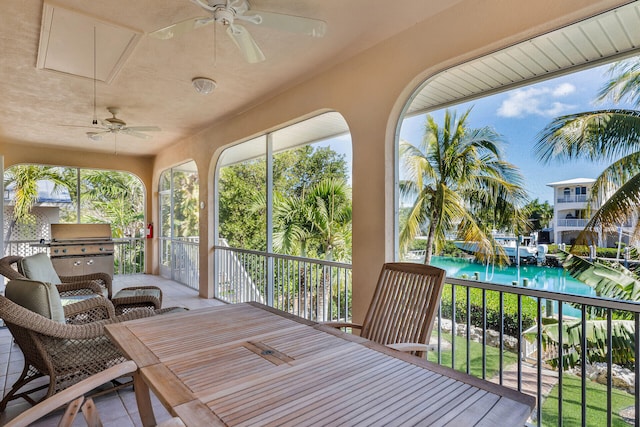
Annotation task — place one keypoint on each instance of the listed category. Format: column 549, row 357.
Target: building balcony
column 581, row 198
column 572, row 222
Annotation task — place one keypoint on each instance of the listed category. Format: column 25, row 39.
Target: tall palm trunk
column 430, row 239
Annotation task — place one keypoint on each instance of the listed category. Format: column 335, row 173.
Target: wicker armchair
column 67, row 349
column 96, row 283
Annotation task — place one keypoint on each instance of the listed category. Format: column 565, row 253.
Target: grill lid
column 80, row 232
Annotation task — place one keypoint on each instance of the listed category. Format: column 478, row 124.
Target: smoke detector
column 203, row 85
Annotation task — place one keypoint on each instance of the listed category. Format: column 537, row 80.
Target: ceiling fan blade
column 247, row 45
column 106, row 125
column 80, row 126
column 181, row 27
column 95, row 136
column 295, row 24
column 128, row 131
column 142, row 129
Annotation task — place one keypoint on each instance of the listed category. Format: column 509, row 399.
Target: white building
column 571, row 213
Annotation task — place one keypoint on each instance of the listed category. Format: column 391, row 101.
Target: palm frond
column 608, row 281
column 594, row 135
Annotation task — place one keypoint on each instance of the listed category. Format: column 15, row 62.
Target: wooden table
column 248, row 364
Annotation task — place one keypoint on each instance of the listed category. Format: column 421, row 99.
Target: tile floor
column 117, row 409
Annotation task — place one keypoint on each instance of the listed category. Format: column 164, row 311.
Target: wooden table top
column 248, row 364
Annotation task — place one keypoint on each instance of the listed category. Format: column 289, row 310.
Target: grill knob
column 64, row 251
column 84, row 249
column 55, row 251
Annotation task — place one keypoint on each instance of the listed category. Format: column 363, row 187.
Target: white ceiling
column 587, row 43
column 153, row 87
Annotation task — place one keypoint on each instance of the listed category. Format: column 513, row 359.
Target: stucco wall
column 369, row 90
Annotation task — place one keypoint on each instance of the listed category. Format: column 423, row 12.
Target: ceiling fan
column 116, row 125
column 230, row 12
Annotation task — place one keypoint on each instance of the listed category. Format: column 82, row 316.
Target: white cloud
column 524, row 102
column 563, row 90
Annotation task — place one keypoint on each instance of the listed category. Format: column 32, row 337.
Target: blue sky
column 518, row 115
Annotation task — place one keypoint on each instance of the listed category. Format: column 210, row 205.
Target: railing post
column 269, row 199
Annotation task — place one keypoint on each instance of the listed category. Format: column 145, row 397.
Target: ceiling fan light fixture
column 203, row 85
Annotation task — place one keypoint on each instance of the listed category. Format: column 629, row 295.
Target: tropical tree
column 607, row 279
column 611, row 135
column 295, row 171
column 458, row 182
column 113, row 197
column 24, row 181
column 540, row 214
column 317, row 222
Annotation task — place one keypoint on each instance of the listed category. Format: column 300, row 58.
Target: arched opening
column 36, row 196
column 284, row 219
column 178, row 228
column 507, row 98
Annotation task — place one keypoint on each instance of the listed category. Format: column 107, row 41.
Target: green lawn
column 493, row 357
column 572, row 404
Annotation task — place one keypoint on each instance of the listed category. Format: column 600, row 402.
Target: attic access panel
column 67, row 44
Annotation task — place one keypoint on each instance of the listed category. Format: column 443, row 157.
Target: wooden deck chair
column 403, row 307
column 74, row 398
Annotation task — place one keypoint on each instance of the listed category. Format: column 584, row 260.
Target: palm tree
column 24, row 180
column 317, row 221
column 113, row 197
column 611, row 135
column 540, row 214
column 457, row 181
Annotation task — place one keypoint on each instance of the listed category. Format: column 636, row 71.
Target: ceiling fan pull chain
column 95, row 114
column 215, row 45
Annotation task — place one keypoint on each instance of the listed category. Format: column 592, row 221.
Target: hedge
column 510, row 309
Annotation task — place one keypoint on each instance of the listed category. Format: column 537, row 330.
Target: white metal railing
column 310, row 288
column 128, row 255
column 580, row 198
column 572, row 222
column 180, row 260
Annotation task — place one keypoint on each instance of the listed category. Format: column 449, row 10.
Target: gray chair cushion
column 39, row 267
column 40, row 297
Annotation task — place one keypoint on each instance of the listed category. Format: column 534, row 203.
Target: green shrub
column 510, row 309
column 451, row 250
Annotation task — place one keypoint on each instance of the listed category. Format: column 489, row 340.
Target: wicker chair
column 96, row 283
column 403, row 307
column 67, row 349
column 127, row 299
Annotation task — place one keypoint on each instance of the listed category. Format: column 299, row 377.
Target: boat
column 525, row 246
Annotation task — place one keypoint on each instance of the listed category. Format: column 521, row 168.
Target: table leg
column 143, row 398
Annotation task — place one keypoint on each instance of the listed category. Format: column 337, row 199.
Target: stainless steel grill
column 78, row 249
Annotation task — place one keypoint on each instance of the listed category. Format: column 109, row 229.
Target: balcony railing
column 310, row 288
column 501, row 333
column 580, row 198
column 128, row 256
column 180, row 260
column 572, row 222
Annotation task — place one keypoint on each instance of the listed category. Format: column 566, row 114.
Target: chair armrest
column 103, row 277
column 339, row 325
column 13, row 313
column 98, row 307
column 86, row 287
column 411, row 346
column 61, row 398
